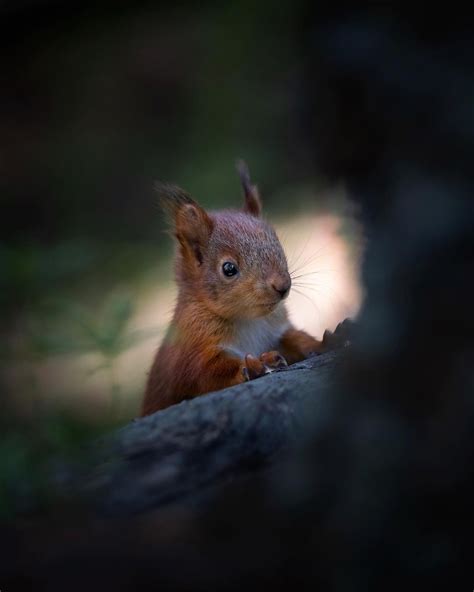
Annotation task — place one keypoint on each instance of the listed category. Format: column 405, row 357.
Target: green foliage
column 29, row 447
column 68, row 328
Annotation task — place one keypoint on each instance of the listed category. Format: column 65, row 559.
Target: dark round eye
column 229, row 269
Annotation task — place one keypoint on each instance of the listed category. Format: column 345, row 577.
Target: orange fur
column 297, row 345
column 190, row 361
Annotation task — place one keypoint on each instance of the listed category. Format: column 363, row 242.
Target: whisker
column 302, row 250
column 314, row 286
column 335, row 293
column 319, row 293
column 309, row 260
column 309, row 287
column 311, row 301
column 319, row 271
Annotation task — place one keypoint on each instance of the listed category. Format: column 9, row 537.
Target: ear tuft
column 172, row 198
column 192, row 225
column 252, row 205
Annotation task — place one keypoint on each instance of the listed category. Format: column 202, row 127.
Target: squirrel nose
column 282, row 285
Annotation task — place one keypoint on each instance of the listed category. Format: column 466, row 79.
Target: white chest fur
column 257, row 336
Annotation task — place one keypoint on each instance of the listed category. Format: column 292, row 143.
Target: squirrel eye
column 229, row 269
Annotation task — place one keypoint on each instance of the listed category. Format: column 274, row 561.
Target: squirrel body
column 230, row 323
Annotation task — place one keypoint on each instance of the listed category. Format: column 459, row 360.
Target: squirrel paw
column 268, row 362
column 341, row 337
column 273, row 360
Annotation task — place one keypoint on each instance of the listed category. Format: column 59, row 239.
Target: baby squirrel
column 230, row 323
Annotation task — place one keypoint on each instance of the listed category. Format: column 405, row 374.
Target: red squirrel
column 230, row 323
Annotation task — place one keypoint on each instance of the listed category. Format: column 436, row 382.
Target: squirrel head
column 230, row 260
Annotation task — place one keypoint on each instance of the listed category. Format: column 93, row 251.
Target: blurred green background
column 97, row 102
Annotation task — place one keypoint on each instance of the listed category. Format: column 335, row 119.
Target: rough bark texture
column 183, row 449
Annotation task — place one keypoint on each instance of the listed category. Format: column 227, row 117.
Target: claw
column 273, row 360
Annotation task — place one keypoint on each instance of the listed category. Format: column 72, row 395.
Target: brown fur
column 216, row 316
column 296, row 345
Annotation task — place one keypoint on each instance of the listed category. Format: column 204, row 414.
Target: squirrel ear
column 193, row 229
column 252, row 205
column 192, row 225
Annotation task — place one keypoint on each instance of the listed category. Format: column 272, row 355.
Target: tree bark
column 184, row 449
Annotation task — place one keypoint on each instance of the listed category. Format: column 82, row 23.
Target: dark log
column 179, row 451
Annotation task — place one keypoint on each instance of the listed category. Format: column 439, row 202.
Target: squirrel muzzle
column 281, row 284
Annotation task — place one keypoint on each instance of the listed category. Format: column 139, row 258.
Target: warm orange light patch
column 326, row 287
